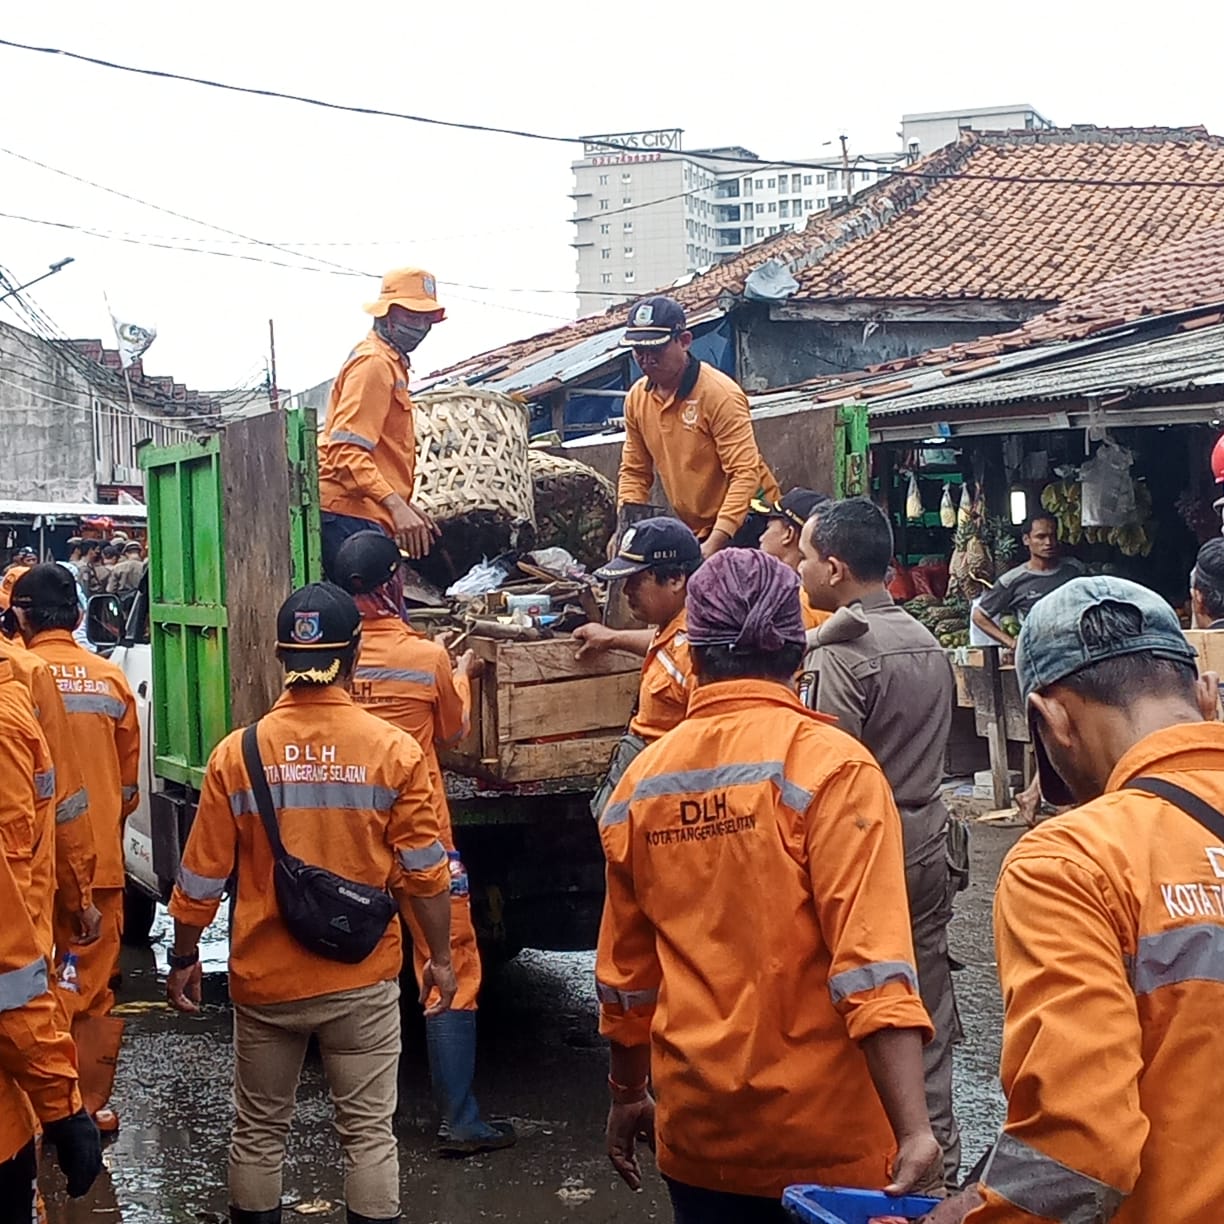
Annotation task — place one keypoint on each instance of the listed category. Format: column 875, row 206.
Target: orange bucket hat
column 411, row 288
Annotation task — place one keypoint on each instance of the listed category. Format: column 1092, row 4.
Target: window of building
column 605, row 228
column 760, row 231
column 629, row 227
column 820, row 178
column 760, row 208
column 603, row 205
column 605, row 253
column 796, row 182
column 628, row 252
column 626, row 177
column 626, row 199
column 605, row 278
column 748, row 186
column 821, row 205
column 772, row 206
column 784, row 208
column 759, row 183
column 773, row 229
column 807, row 206
column 603, row 180
column 773, row 182
column 807, row 180
column 629, row 277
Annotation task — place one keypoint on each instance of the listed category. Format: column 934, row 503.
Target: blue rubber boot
column 450, row 1039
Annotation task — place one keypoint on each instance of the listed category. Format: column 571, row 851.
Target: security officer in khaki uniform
column 891, row 687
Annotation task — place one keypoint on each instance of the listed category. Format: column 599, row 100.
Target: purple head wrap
column 746, row 599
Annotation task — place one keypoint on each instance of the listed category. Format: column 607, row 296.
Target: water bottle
column 68, row 973
column 458, row 874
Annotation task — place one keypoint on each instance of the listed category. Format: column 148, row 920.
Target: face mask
column 402, row 336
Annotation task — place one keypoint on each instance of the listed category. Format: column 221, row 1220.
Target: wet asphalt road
column 542, row 1064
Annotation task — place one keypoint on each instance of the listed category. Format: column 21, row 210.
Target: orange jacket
column 701, row 444
column 1109, row 933
column 37, row 1063
column 8, row 582
column 76, row 857
column 352, row 795
column 102, row 716
column 408, row 680
column 755, row 930
column 367, row 449
column 667, row 680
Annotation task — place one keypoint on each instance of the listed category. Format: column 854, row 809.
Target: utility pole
column 845, row 144
column 273, row 390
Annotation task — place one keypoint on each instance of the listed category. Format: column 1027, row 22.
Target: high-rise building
column 926, row 132
column 647, row 212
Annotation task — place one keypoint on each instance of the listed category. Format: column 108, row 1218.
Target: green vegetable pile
column 947, row 620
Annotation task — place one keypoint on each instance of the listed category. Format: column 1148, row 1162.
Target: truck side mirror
column 104, row 621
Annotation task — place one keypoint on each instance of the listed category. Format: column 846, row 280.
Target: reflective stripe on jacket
column 1109, row 931
column 755, row 930
column 667, row 681
column 353, row 796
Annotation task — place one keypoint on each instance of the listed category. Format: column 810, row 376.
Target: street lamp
column 52, row 269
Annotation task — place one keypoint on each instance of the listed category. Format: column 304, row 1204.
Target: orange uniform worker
column 75, row 852
column 755, row 960
column 1109, row 927
column 406, row 679
column 102, row 718
column 38, row 1077
column 22, row 560
column 367, row 449
column 689, row 423
column 655, row 560
column 352, row 795
column 785, row 520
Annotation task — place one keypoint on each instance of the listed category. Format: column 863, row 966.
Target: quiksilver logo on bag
column 352, row 896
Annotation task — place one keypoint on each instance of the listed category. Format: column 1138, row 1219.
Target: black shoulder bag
column 326, row 913
column 1179, row 797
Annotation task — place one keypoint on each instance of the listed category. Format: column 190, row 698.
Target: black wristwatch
column 184, row 962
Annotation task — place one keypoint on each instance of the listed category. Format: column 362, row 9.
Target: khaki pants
column 359, row 1039
column 931, row 890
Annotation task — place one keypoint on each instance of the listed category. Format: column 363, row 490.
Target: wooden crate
column 1210, row 646
column 539, row 714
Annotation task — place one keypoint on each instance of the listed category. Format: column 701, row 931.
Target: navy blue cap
column 651, row 544
column 794, row 507
column 314, row 627
column 653, row 322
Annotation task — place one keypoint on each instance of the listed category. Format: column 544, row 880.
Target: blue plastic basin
column 838, row 1205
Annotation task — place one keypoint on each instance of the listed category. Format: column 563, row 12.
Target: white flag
column 134, row 340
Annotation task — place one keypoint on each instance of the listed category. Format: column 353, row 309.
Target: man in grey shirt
column 891, row 687
column 1019, row 589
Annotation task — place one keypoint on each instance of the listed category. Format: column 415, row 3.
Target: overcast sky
column 476, row 209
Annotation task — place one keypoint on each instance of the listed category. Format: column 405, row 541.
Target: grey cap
column 1052, row 644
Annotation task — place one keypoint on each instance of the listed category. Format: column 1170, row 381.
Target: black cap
column 24, row 551
column 651, row 544
column 365, row 561
column 795, row 507
column 314, row 627
column 45, row 586
column 654, row 321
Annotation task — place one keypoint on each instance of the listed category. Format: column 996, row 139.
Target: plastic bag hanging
column 913, row 501
column 947, row 511
column 965, row 514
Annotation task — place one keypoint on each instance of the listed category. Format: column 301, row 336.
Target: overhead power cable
column 610, row 145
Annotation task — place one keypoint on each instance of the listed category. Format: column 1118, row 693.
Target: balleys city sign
column 659, row 140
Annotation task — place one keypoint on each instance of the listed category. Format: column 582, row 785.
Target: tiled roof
column 1039, row 239
column 984, row 236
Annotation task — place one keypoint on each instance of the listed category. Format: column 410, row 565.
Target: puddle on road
column 541, row 1061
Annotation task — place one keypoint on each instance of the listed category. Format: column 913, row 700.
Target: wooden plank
column 258, row 558
column 534, row 662
column 1210, row 646
column 567, row 707
column 576, row 758
column 895, row 310
column 996, row 733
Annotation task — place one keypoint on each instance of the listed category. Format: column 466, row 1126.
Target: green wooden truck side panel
column 191, row 568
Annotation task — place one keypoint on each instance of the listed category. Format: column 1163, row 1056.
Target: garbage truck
column 233, row 522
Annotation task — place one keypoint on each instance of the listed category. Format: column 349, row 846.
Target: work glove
column 78, row 1148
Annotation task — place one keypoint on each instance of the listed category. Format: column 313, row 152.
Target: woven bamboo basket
column 575, row 507
column 472, row 455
